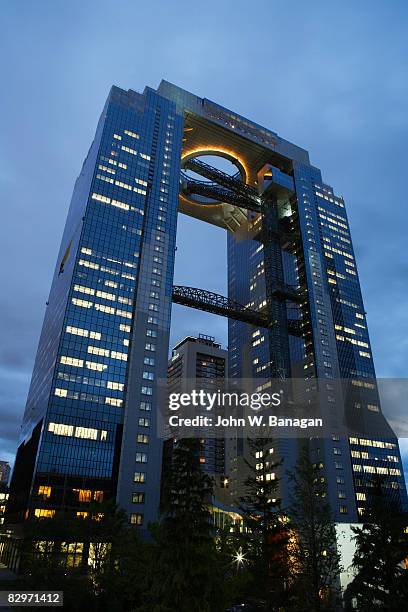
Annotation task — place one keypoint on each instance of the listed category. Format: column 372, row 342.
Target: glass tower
column 89, row 429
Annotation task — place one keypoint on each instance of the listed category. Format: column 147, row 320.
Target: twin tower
column 294, row 308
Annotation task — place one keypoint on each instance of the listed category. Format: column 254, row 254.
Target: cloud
column 341, row 92
column 14, row 388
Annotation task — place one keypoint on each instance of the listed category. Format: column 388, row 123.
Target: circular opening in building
column 202, row 188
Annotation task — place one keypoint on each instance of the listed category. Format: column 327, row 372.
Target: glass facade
column 105, row 335
column 89, row 430
column 334, row 344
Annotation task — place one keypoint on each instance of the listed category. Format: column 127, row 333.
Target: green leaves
column 381, row 580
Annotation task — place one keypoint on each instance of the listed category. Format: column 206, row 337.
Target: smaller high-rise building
column 3, row 503
column 4, row 472
column 4, row 478
column 201, row 362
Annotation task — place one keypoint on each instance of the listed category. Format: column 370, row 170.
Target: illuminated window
column 61, row 392
column 366, row 442
column 77, row 331
column 104, row 308
column 44, row 513
column 87, row 495
column 88, row 264
column 106, row 169
column 61, row 429
column 82, row 289
column 82, row 303
column 96, row 350
column 82, row 515
column 142, row 438
column 138, row 498
column 72, row 361
column 141, row 457
column 136, row 519
column 132, row 134
column 118, row 355
column 115, row 386
column 124, row 313
column 113, row 401
column 84, row 495
column 128, row 150
column 125, row 300
column 105, row 295
column 112, row 284
column 87, row 433
column 92, row 365
column 45, row 491
column 139, row 477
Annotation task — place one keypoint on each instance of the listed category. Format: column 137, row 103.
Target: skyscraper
column 201, row 363
column 294, row 304
column 89, row 428
column 4, row 471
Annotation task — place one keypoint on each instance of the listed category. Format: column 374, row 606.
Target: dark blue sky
column 330, row 76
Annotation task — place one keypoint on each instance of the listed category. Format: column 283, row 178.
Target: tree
column 98, row 561
column 233, row 562
column 265, row 533
column 381, row 579
column 186, row 574
column 45, row 562
column 314, row 556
